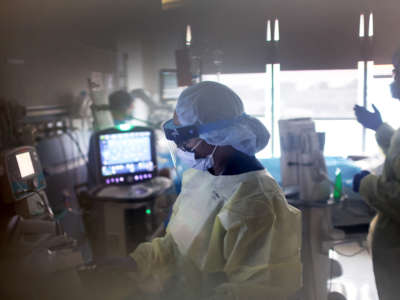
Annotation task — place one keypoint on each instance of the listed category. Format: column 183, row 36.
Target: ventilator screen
column 126, row 153
column 25, row 165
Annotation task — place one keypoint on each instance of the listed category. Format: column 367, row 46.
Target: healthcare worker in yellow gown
column 232, row 234
column 383, row 193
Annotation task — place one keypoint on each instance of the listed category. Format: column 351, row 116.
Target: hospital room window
column 327, row 96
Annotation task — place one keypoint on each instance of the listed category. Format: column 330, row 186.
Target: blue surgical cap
column 208, row 102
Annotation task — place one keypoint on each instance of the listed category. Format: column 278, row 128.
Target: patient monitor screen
column 25, row 165
column 126, row 153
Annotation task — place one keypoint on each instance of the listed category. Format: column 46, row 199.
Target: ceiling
column 229, row 24
column 92, row 20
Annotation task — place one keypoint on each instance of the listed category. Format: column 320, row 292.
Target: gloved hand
column 357, row 180
column 371, row 120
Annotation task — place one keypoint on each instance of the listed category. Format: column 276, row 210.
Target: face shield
column 179, row 136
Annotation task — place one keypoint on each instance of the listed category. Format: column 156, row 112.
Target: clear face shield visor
column 179, row 136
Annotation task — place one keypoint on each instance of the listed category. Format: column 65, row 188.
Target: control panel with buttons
column 129, row 179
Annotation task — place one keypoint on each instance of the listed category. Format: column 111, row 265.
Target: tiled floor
column 357, row 281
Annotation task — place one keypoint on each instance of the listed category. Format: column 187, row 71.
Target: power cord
column 77, row 144
column 45, row 204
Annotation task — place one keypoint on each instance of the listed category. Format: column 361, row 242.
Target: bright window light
column 327, row 96
column 269, row 38
column 371, row 25
column 362, row 26
column 318, row 93
column 342, row 137
column 276, row 31
column 188, row 35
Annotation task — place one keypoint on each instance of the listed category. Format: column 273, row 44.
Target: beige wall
column 48, row 68
column 149, row 50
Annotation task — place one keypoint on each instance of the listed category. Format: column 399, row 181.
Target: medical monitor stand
column 123, row 214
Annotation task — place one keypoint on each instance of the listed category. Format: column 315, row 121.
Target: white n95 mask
column 202, row 164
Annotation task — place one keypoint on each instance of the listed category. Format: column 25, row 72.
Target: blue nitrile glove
column 357, row 180
column 371, row 120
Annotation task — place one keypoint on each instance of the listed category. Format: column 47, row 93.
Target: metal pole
column 365, row 94
column 272, row 110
